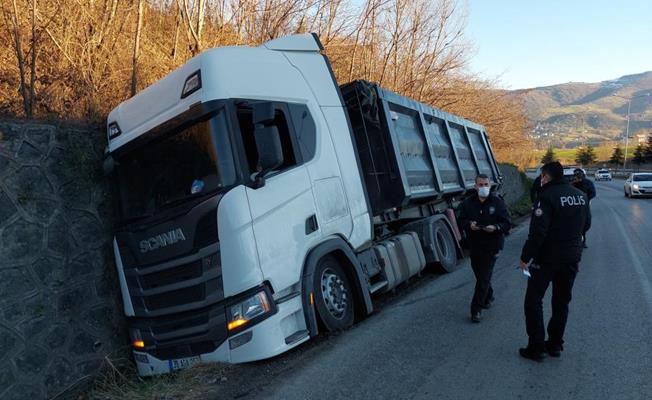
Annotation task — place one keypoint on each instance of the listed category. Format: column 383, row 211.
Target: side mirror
column 270, row 151
column 108, row 165
column 263, row 113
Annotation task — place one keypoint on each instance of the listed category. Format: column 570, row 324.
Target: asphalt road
column 420, row 344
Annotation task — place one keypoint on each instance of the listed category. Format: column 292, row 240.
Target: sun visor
column 303, row 42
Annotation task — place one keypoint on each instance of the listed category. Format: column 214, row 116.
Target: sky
column 529, row 43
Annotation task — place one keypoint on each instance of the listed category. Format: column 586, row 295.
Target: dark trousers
column 562, row 277
column 482, row 263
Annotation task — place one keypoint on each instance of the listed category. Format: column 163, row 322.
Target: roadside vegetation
column 122, row 382
column 611, row 156
column 78, row 59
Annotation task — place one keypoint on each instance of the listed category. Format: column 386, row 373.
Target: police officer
column 551, row 254
column 485, row 220
column 536, row 187
column 585, row 185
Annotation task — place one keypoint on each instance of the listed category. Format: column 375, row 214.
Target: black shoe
column 554, row 350
column 532, row 354
column 476, row 317
column 488, row 304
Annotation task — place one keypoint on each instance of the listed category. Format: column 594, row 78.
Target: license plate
column 182, row 363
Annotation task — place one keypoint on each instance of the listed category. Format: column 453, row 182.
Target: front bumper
column 641, row 192
column 276, row 334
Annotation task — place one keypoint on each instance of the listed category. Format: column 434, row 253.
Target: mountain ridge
column 578, row 113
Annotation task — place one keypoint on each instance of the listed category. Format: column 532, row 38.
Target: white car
column 602, row 174
column 639, row 184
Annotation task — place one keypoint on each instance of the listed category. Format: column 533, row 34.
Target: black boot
column 532, row 352
column 489, row 303
column 554, row 349
column 476, row 317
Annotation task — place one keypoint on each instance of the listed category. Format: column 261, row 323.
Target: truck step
column 296, row 336
column 377, row 286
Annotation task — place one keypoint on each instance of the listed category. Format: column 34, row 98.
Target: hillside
column 572, row 114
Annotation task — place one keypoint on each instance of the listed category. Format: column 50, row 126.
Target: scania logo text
column 162, row 240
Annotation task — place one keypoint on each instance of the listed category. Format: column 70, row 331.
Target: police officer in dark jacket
column 485, row 220
column 585, row 185
column 534, row 190
column 552, row 253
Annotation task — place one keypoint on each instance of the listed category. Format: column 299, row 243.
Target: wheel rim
column 334, row 293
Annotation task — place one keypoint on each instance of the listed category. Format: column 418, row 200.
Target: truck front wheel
column 333, row 295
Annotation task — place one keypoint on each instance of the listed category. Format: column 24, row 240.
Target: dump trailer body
column 411, row 153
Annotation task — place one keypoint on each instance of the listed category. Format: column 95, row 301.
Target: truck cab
column 210, row 243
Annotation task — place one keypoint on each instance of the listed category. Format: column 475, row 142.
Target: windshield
column 166, row 172
column 642, row 177
column 603, row 171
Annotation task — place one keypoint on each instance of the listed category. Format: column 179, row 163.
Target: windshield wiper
column 192, row 197
column 132, row 219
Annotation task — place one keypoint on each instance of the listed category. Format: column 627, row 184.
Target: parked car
column 638, row 184
column 602, row 174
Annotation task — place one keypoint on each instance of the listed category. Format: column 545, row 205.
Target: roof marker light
column 113, row 130
column 192, row 84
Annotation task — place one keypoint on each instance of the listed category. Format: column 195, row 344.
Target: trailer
column 259, row 203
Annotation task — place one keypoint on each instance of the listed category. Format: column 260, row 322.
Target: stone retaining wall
column 513, row 187
column 59, row 307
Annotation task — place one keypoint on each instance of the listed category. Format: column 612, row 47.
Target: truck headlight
column 242, row 313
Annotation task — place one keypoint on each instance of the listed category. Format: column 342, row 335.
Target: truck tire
column 445, row 245
column 334, row 298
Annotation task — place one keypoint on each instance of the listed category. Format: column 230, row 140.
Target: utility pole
column 629, row 105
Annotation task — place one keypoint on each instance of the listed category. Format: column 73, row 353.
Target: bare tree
column 12, row 22
column 194, row 21
column 134, row 69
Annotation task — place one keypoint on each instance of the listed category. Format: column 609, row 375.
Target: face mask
column 484, row 191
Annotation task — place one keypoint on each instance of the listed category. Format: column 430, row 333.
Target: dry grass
column 120, row 381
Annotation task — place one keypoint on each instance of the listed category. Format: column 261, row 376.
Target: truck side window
column 305, row 130
column 292, row 155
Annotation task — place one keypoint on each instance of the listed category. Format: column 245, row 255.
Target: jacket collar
column 555, row 182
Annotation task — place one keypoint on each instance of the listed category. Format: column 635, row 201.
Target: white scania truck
column 258, row 203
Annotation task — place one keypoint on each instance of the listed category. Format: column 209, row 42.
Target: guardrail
column 614, row 172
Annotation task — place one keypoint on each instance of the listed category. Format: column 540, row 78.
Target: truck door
column 283, row 210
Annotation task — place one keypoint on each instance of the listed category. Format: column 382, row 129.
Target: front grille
column 170, row 299
column 175, row 325
column 185, row 284
column 179, row 274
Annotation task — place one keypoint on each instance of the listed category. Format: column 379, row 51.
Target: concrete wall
column 59, row 306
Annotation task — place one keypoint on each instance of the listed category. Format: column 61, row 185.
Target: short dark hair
column 481, row 176
column 553, row 169
column 578, row 171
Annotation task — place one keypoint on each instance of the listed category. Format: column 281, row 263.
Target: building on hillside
column 641, row 138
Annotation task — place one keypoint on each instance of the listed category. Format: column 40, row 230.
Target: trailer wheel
column 445, row 245
column 333, row 295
